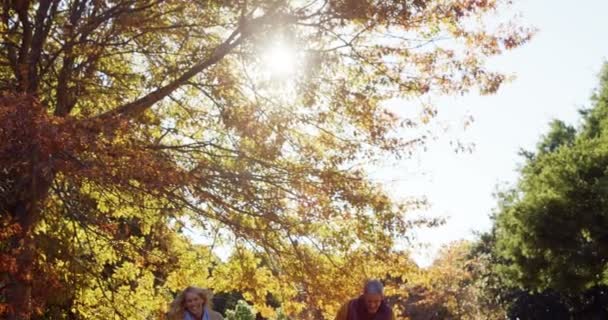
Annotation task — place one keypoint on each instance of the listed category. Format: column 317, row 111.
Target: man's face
column 372, row 302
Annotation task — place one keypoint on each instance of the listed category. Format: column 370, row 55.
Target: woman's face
column 194, row 303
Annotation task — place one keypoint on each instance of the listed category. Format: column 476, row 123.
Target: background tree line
column 546, row 255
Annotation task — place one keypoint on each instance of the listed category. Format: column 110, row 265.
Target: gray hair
column 374, row 287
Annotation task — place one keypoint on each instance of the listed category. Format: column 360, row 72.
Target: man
column 369, row 306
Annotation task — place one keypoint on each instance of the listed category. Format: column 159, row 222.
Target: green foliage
column 560, row 134
column 242, row 311
column 551, row 229
column 595, row 119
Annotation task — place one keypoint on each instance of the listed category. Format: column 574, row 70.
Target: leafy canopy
column 125, row 122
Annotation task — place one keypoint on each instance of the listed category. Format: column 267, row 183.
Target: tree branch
column 64, row 94
column 22, row 8
column 8, row 43
column 138, row 106
column 42, row 25
column 244, row 29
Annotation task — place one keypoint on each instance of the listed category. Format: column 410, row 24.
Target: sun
column 280, row 60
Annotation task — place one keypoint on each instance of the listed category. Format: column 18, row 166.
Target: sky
column 555, row 74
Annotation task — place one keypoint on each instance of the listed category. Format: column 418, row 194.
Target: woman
column 193, row 304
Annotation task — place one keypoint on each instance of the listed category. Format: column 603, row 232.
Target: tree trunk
column 29, row 193
column 19, row 288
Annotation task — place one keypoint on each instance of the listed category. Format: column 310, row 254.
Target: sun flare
column 280, row 60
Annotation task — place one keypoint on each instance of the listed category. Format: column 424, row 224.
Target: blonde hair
column 177, row 308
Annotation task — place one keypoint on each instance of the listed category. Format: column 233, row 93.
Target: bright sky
column 555, row 75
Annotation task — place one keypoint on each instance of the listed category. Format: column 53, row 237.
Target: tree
column 131, row 115
column 499, row 292
column 455, row 286
column 552, row 227
column 545, row 305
